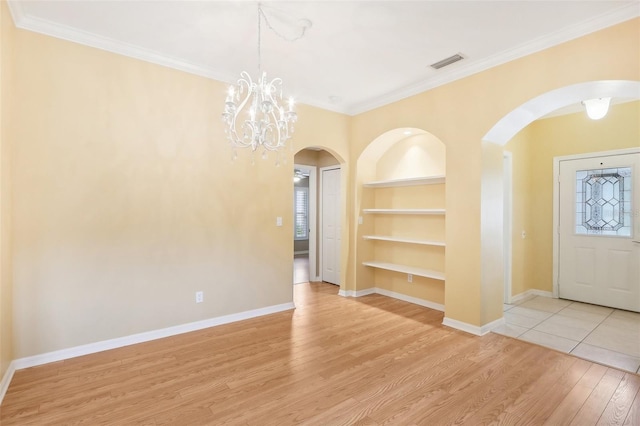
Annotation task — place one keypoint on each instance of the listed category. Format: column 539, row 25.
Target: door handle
column 634, row 241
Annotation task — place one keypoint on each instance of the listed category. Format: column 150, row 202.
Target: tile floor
column 604, row 335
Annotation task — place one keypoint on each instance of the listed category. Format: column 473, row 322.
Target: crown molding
column 614, row 17
column 23, row 21
column 42, row 26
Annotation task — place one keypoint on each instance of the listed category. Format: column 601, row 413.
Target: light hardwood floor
column 367, row 361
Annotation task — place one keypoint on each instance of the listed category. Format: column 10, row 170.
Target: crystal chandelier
column 266, row 122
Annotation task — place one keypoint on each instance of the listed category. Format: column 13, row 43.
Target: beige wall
column 127, row 201
column 533, row 152
column 6, row 306
column 460, row 114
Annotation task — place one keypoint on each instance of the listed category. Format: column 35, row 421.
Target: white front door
column 599, row 233
column 331, row 226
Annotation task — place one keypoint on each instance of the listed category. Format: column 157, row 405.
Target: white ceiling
column 356, row 56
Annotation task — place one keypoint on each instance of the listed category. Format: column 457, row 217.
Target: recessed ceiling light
column 407, row 132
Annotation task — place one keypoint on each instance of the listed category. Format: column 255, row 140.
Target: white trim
column 427, row 180
column 301, row 251
column 404, row 269
column 404, row 240
column 473, row 329
column 462, row 70
column 616, row 16
column 133, row 339
column 518, row 298
column 508, row 224
column 422, row 302
column 357, row 293
column 410, row 299
column 6, row 380
column 509, row 125
column 556, row 202
column 404, row 211
column 319, row 233
column 313, row 215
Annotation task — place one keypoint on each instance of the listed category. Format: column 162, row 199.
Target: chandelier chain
column 260, row 38
column 303, row 27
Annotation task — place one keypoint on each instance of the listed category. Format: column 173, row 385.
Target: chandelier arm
column 268, row 123
column 244, row 80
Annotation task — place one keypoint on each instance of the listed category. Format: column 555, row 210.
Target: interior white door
column 599, row 231
column 331, row 226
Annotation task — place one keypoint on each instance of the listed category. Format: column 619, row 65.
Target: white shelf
column 404, row 211
column 432, row 180
column 404, row 240
column 427, row 273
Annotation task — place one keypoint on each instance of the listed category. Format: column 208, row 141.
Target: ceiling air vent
column 447, row 61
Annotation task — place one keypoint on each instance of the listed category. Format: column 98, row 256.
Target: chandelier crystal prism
column 255, row 114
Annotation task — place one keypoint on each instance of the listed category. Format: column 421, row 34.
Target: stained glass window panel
column 603, row 202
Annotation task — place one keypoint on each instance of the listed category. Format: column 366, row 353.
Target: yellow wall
column 523, row 255
column 6, row 308
column 414, row 156
column 460, row 114
column 533, row 151
column 126, row 200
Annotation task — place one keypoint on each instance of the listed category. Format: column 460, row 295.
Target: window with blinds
column 301, row 213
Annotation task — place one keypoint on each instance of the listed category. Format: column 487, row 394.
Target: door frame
column 556, row 202
column 320, row 237
column 508, row 224
column 313, row 229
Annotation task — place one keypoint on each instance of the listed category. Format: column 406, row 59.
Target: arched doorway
column 317, row 252
column 539, row 149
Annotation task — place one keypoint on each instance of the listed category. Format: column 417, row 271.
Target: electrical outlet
column 360, row 220
column 199, row 296
column 278, row 221
column 409, row 278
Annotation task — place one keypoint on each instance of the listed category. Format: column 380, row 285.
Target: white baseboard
column 422, row 302
column 357, row 293
column 145, row 337
column 392, row 294
column 472, row 329
column 530, row 293
column 6, row 380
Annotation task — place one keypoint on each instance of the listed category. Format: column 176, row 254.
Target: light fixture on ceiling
column 268, row 123
column 597, row 108
column 298, row 175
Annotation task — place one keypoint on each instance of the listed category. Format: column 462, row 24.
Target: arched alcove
column 400, row 201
